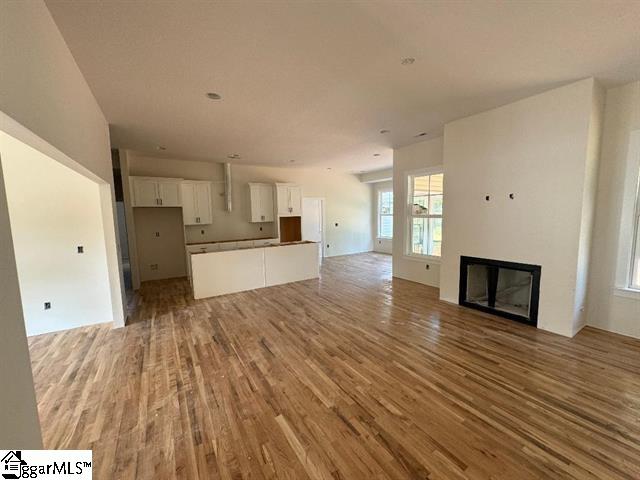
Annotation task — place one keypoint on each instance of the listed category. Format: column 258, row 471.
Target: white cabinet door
column 266, row 203
column 254, row 203
column 169, row 193
column 203, row 203
column 144, row 192
column 283, row 200
column 295, row 200
column 189, row 210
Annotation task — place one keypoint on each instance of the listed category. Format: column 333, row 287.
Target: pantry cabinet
column 196, row 202
column 261, row 202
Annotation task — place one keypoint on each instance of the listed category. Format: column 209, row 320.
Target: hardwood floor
column 353, row 376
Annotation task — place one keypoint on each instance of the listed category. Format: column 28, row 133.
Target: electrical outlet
column 201, row 232
column 153, row 266
column 80, row 249
column 157, row 234
column 47, row 305
column 427, row 266
column 260, row 228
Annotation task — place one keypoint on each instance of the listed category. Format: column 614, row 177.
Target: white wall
column 46, row 102
column 427, row 154
column 19, row 423
column 381, row 245
column 618, row 176
column 54, row 210
column 539, row 149
column 347, row 200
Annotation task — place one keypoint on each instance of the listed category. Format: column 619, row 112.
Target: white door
column 188, row 203
column 313, row 222
column 169, row 193
column 145, row 192
column 203, row 203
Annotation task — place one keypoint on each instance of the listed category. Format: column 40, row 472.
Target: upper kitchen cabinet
column 196, row 202
column 155, row 192
column 289, row 198
column 261, row 202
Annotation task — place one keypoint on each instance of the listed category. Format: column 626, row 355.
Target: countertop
column 188, row 244
column 286, row 244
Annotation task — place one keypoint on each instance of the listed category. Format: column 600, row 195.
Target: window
column 425, row 214
column 385, row 214
column 634, row 277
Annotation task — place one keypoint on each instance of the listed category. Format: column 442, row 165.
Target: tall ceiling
column 313, row 83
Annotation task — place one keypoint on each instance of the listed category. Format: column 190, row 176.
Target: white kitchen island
column 221, row 272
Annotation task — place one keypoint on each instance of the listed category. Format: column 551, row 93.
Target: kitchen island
column 216, row 273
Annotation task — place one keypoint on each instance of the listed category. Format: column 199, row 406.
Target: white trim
column 627, row 292
column 416, row 257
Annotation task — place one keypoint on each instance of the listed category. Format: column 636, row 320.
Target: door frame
column 323, row 245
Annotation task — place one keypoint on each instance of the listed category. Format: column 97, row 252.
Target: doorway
column 313, row 222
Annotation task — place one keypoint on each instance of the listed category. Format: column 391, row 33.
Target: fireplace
column 508, row 289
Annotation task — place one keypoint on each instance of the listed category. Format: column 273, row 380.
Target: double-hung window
column 385, row 214
column 424, row 222
column 634, row 277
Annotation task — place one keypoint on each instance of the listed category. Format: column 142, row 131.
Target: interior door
column 188, row 203
column 203, row 203
column 145, row 192
column 169, row 193
column 313, row 222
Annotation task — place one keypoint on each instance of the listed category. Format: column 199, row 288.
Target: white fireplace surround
column 543, row 151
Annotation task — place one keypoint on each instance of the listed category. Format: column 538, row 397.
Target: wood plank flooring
column 354, row 376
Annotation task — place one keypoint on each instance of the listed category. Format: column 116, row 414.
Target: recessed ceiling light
column 160, row 147
column 421, row 134
column 383, row 131
column 291, row 161
column 407, row 61
column 376, row 154
column 213, row 96
column 328, row 168
column 233, row 156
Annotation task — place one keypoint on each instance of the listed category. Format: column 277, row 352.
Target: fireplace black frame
column 535, row 270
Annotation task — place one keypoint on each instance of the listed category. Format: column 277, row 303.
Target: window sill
column 423, row 258
column 384, row 238
column 627, row 292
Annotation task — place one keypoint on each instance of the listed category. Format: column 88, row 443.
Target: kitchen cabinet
column 155, row 192
column 289, row 200
column 261, row 202
column 196, row 202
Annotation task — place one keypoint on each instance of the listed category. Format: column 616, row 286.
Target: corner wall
column 608, row 307
column 46, row 103
column 427, row 154
column 537, row 148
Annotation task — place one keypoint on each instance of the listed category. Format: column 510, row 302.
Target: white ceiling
column 316, row 82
